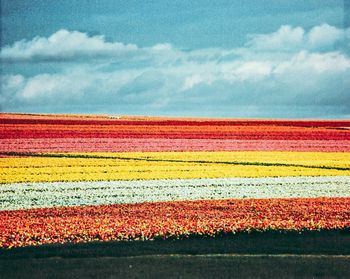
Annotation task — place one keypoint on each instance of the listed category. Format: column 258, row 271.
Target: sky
column 201, row 58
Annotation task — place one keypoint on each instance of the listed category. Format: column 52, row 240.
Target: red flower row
column 56, row 120
column 169, row 219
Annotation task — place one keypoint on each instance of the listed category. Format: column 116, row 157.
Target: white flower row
column 36, row 195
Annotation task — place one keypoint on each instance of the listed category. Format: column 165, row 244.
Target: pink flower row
column 163, row 144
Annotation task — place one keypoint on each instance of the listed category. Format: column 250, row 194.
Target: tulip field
column 74, row 178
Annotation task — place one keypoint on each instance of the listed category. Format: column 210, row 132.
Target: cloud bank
column 64, row 45
column 288, row 73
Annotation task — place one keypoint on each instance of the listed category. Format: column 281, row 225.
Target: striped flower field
column 73, row 178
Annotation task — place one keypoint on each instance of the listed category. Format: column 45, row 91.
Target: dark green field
column 256, row 255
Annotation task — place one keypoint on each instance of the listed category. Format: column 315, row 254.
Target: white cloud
column 288, row 38
column 289, row 65
column 162, row 47
column 10, row 86
column 324, row 36
column 192, row 81
column 253, row 70
column 44, row 87
column 64, row 45
column 315, row 63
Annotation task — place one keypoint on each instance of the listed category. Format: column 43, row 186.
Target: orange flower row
column 71, row 119
column 169, row 219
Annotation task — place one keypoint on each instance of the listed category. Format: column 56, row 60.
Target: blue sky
column 285, row 59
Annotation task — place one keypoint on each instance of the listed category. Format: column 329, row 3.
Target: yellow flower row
column 171, row 165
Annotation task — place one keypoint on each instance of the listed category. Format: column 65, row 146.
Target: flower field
column 73, row 178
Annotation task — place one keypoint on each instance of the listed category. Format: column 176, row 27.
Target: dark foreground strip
column 333, row 242
column 324, row 254
column 180, row 266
